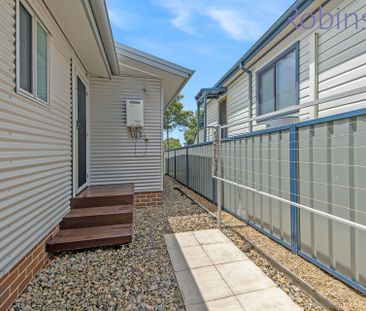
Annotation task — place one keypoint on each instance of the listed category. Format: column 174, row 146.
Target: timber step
column 97, row 216
column 109, row 195
column 81, row 238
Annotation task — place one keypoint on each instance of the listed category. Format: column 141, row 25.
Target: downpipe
column 250, row 94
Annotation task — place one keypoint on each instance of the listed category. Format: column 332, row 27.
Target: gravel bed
column 138, row 276
column 341, row 295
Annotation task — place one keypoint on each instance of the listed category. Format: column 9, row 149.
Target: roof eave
column 100, row 15
column 155, row 61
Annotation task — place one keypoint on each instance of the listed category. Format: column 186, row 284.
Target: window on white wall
column 32, row 55
column 42, row 61
column 25, row 49
column 277, row 83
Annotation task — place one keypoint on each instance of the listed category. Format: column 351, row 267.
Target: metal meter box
column 135, row 113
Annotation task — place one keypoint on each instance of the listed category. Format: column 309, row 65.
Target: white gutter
column 101, row 17
column 154, row 61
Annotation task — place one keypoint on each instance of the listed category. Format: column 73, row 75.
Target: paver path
column 214, row 275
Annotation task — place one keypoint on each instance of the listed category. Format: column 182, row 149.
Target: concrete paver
column 224, row 252
column 227, row 304
column 210, row 236
column 244, row 276
column 184, row 239
column 188, row 258
column 202, row 284
column 270, row 299
column 214, row 275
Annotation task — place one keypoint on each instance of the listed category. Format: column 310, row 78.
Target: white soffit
column 76, row 21
column 133, row 62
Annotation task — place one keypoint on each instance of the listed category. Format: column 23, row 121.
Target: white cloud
column 183, row 13
column 231, row 16
column 235, row 24
column 120, row 18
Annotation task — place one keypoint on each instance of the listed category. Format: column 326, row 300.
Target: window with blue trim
column 277, row 83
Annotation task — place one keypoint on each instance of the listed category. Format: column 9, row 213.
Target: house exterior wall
column 36, row 147
column 339, row 85
column 114, row 156
column 148, row 199
column 16, row 280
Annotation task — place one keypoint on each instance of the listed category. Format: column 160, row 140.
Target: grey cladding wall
column 115, row 156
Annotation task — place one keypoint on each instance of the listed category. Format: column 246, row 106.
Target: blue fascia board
column 213, row 91
column 278, row 26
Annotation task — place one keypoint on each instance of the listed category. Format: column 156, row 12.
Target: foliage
column 175, row 117
column 190, row 133
column 173, row 143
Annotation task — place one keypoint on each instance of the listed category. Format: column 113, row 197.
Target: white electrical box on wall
column 135, row 113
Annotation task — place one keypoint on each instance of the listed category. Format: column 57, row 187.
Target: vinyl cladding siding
column 113, row 158
column 35, row 144
column 212, row 112
column 212, row 117
column 237, row 105
column 341, row 64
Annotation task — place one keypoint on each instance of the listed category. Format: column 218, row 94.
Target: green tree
column 173, row 143
column 175, row 117
column 191, row 131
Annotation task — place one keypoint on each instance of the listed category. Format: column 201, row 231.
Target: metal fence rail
column 303, row 185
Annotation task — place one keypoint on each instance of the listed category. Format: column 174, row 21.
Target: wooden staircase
column 99, row 216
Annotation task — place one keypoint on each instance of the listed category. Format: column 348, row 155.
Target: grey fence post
column 175, row 164
column 168, row 164
column 187, row 167
column 217, row 171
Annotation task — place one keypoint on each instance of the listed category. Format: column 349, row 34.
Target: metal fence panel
column 165, row 163
column 200, row 170
column 181, row 166
column 329, row 176
column 330, row 161
column 259, row 162
column 171, row 163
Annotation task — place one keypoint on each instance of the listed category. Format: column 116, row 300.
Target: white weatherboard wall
column 341, row 55
column 113, row 159
column 35, row 144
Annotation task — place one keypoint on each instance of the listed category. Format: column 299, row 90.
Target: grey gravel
column 138, row 276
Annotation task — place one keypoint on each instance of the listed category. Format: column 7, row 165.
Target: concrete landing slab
column 214, row 275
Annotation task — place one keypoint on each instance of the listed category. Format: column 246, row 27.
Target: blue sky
column 208, row 36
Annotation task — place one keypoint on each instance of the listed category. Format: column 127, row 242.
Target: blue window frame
column 278, row 82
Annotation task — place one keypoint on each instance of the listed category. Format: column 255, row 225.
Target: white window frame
column 35, row 21
column 272, row 64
